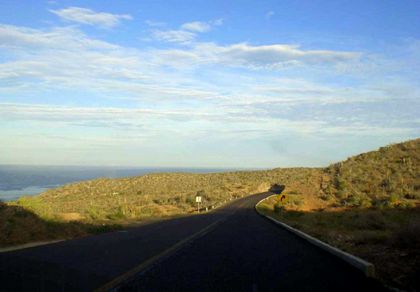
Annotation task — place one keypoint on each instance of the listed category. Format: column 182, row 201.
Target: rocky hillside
column 388, row 176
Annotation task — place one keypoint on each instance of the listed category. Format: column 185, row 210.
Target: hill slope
column 391, row 174
column 372, row 209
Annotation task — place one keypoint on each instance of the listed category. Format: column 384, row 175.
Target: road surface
column 241, row 252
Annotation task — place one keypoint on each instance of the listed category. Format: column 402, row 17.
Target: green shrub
column 94, row 213
column 412, row 196
column 393, row 198
column 365, row 203
column 405, row 205
column 117, row 214
column 278, row 207
column 326, row 197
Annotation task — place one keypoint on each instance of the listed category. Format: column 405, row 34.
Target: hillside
column 389, row 175
column 372, row 209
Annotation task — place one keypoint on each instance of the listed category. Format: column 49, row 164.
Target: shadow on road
column 86, row 263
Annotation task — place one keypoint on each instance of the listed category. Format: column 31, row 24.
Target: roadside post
column 198, row 200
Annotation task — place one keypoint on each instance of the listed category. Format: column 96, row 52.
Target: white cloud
column 90, row 17
column 196, row 26
column 174, row 36
column 186, row 33
column 26, row 39
column 277, row 56
column 274, row 55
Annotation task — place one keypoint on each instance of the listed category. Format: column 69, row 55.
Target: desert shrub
column 295, row 201
column 343, row 194
column 393, row 198
column 159, row 201
column 405, row 205
column 94, row 213
column 342, row 184
column 278, row 207
column 117, row 214
column 365, row 203
column 353, row 201
column 379, row 203
column 326, row 196
column 357, row 201
column 412, row 196
column 190, row 200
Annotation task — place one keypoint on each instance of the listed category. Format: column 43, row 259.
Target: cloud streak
column 174, row 36
column 273, row 57
column 187, row 32
column 197, row 26
column 90, row 17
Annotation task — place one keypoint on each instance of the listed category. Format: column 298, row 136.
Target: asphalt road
column 243, row 252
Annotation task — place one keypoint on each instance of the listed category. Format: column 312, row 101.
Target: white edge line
column 28, row 245
column 366, row 267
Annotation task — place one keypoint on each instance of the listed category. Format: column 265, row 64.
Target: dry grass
column 19, row 226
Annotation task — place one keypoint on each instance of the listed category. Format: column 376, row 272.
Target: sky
column 242, row 84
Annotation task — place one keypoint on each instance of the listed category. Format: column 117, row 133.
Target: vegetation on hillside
column 19, row 226
column 387, row 177
column 372, row 209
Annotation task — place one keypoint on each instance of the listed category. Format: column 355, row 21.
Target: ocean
column 21, row 180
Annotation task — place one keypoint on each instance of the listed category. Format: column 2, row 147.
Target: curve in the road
column 244, row 252
column 248, row 253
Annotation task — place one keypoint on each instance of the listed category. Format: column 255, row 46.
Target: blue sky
column 206, row 83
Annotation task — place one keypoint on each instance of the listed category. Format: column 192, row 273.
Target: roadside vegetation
column 20, row 225
column 371, row 209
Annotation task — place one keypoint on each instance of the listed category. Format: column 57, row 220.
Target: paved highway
column 241, row 251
